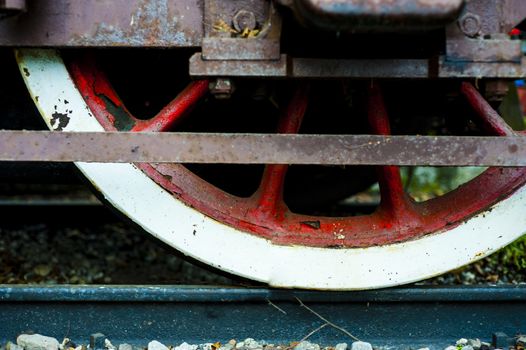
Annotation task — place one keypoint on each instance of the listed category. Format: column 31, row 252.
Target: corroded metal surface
column 66, row 23
column 240, row 49
column 262, row 148
column 241, row 30
column 289, row 67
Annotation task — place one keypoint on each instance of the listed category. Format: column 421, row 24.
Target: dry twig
column 314, row 331
column 277, row 307
column 341, row 329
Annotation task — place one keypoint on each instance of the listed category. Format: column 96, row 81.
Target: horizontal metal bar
column 238, row 49
column 125, row 147
column 359, row 68
column 211, row 294
column 292, row 67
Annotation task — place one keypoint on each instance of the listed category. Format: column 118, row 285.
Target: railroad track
column 396, row 318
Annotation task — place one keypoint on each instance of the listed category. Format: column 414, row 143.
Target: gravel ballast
column 37, row 341
column 120, row 253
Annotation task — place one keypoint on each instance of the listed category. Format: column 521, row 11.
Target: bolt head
column 221, row 88
column 244, row 19
column 470, row 24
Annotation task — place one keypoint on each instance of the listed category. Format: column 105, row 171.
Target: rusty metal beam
column 289, row 67
column 107, row 23
column 117, row 147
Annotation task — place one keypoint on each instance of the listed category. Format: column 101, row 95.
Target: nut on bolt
column 496, row 90
column 221, row 88
column 470, row 24
column 244, row 20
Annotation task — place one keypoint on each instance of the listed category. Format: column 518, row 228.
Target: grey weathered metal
column 262, row 148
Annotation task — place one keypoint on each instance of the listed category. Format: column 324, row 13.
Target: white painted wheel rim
column 226, row 248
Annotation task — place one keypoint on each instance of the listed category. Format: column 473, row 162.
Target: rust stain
column 151, row 24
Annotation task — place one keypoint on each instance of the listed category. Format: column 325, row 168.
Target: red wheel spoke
column 394, row 200
column 103, row 99
column 176, row 109
column 492, row 121
column 270, row 193
column 269, row 197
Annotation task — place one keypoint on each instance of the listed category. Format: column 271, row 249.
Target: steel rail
column 400, row 318
column 125, row 147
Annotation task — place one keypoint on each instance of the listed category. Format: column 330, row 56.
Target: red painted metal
column 521, row 91
column 396, row 206
column 491, row 120
column 176, row 109
column 290, row 228
column 269, row 196
column 104, row 99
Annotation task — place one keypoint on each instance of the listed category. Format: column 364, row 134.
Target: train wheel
column 257, row 236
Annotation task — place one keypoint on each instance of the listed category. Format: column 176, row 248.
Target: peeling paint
column 152, row 24
column 59, row 121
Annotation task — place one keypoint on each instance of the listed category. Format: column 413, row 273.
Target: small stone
column 13, row 346
column 423, row 349
column 469, row 276
column 67, row 344
column 485, row 346
column 108, row 345
column 361, row 345
column 451, row 347
column 206, row 346
column 252, row 344
column 462, row 341
column 475, row 343
column 341, row 346
column 227, row 346
column 125, row 346
column 521, row 340
column 42, row 270
column 305, row 345
column 155, row 345
column 186, row 346
column 37, row 342
column 467, row 347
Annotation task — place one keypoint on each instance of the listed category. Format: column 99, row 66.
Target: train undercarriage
column 233, row 130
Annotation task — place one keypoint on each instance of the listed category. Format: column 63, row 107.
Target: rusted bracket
column 481, row 34
column 125, row 147
column 241, row 30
